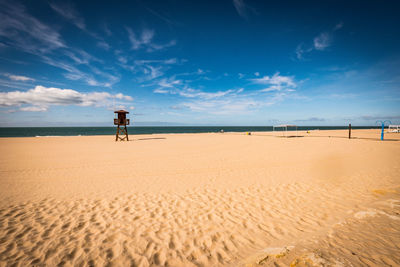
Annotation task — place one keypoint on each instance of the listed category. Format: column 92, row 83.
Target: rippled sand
column 201, row 200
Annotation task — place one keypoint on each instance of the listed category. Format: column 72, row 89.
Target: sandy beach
column 215, row 199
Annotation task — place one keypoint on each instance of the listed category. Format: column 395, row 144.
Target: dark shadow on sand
column 328, row 136
column 150, row 138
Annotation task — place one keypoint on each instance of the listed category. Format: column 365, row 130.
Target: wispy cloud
column 26, row 33
column 73, row 73
column 311, row 119
column 151, row 68
column 103, row 45
column 222, row 106
column 67, row 10
column 301, row 50
column 169, row 61
column 7, row 83
column 276, row 82
column 169, row 83
column 80, row 56
column 338, row 26
column 23, row 31
column 40, row 98
column 380, row 117
column 320, row 42
column 106, row 29
column 195, row 93
column 162, row 17
column 153, row 71
column 342, row 96
column 188, row 92
column 242, row 8
column 18, row 77
column 178, row 87
column 231, row 101
column 145, row 40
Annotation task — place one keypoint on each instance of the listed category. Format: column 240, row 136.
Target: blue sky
column 233, row 62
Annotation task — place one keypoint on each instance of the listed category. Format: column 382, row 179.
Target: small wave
column 48, row 136
column 57, row 135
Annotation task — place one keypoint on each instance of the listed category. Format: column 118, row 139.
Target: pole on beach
column 383, row 127
column 349, row 130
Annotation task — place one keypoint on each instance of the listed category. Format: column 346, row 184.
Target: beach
column 207, row 199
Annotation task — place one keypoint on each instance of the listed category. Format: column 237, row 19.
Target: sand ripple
column 202, row 228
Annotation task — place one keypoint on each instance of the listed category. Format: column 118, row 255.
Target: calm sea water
column 75, row 131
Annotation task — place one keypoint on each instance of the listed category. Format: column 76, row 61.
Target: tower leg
column 117, row 134
column 122, row 131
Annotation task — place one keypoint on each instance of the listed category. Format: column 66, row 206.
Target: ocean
column 77, row 131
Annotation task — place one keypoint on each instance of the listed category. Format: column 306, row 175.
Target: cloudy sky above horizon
column 230, row 62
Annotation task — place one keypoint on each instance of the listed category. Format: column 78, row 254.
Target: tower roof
column 121, row 111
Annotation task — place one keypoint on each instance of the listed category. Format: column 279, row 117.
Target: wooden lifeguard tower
column 121, row 121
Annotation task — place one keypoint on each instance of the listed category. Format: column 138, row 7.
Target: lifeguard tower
column 121, row 121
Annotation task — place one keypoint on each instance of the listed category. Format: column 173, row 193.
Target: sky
column 228, row 62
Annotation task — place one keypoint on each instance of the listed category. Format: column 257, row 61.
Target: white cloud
column 257, row 74
column 123, row 97
column 322, row 41
column 33, row 109
column 277, row 82
column 40, row 98
column 18, row 78
column 161, row 91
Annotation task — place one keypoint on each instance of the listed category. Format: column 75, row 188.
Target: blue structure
column 383, row 127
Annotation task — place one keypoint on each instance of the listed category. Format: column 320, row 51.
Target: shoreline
column 216, row 132
column 138, row 130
